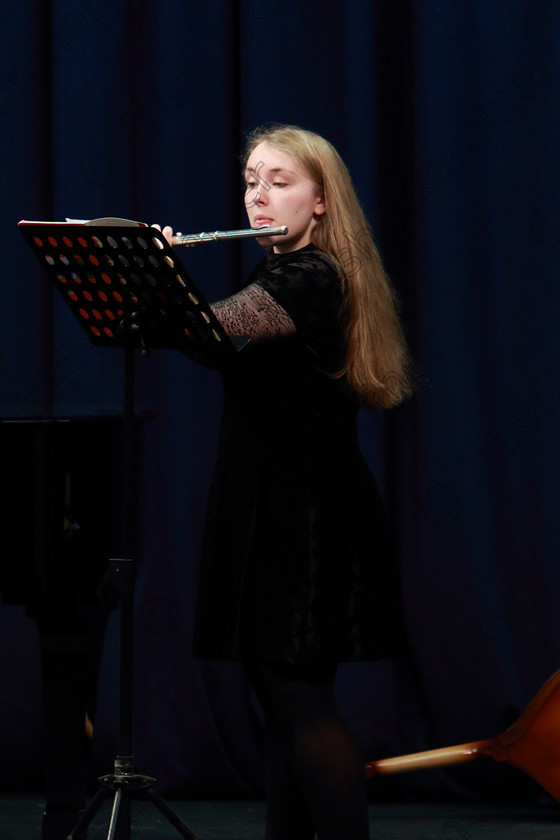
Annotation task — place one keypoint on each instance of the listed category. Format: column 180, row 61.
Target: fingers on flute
column 167, row 232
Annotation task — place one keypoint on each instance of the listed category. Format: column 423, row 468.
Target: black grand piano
column 62, row 505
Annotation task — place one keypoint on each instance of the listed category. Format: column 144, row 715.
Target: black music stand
column 127, row 288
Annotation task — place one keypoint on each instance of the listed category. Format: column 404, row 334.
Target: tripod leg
column 80, row 828
column 114, row 821
column 170, row 814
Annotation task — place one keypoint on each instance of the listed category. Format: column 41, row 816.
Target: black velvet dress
column 296, row 563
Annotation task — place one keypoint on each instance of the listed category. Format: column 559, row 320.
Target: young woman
column 296, row 571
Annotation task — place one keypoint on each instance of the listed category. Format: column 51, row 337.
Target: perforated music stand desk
column 126, row 286
column 128, row 289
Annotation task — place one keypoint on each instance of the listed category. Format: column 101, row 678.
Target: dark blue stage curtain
column 447, row 115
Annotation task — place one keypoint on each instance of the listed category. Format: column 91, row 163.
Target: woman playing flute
column 297, row 575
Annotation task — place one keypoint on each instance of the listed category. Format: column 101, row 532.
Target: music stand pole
column 124, row 783
column 128, row 289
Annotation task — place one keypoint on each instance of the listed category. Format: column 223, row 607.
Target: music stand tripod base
column 123, row 785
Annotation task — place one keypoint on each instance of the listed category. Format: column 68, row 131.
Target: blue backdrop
column 447, row 115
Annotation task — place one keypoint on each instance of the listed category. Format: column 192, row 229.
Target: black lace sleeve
column 253, row 312
column 306, row 285
column 298, row 292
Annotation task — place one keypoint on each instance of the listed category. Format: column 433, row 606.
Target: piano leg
column 70, row 653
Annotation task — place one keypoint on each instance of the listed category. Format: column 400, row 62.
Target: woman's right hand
column 167, row 232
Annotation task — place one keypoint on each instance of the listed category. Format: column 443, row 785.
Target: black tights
column 315, row 778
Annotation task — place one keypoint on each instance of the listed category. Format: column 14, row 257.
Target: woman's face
column 279, row 192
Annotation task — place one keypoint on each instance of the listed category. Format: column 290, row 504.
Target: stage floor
column 20, row 819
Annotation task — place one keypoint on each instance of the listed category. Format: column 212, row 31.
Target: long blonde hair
column 377, row 364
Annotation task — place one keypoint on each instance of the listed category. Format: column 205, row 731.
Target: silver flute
column 218, row 235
